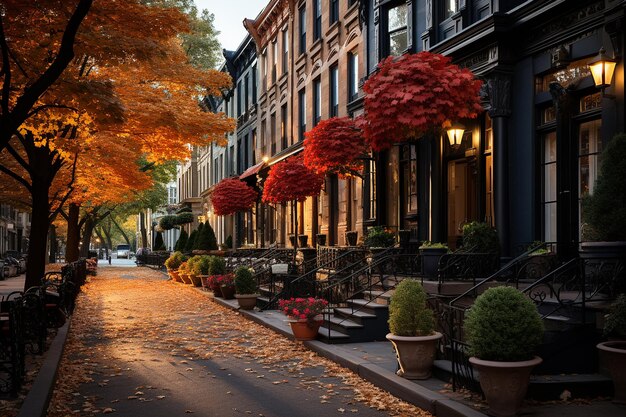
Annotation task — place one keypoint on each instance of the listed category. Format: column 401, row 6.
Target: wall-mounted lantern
column 455, row 134
column 602, row 68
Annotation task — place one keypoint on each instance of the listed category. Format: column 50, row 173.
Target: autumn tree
column 130, row 84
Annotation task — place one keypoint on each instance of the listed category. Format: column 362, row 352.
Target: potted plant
column 604, row 211
column 183, row 270
column 201, row 270
column 321, row 239
column 305, row 315
column 292, row 240
column 227, row 286
column 379, row 237
column 412, row 330
column 173, row 263
column 404, row 237
column 503, row 330
column 217, row 267
column 479, row 237
column 245, row 288
column 613, row 352
column 303, row 241
column 193, row 270
column 352, row 237
column 430, row 253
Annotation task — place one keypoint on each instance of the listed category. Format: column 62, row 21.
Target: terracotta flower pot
column 195, row 280
column 504, row 384
column 305, row 330
column 613, row 355
column 217, row 290
column 416, row 354
column 204, row 280
column 174, row 275
column 246, row 301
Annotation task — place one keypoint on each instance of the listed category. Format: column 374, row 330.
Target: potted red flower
column 305, row 315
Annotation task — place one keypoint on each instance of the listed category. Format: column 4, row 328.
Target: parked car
column 17, row 257
column 123, row 251
column 9, row 268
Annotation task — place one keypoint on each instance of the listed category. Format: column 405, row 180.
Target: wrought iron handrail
column 313, row 272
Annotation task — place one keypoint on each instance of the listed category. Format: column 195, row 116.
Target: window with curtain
column 302, row 22
column 397, row 33
column 301, row 114
column 317, row 19
column 317, row 101
column 353, row 75
column 334, row 91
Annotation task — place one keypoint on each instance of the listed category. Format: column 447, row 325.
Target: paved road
column 143, row 346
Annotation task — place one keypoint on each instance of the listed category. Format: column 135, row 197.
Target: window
column 353, row 76
column 397, row 34
column 489, row 208
column 317, row 101
column 317, row 28
column 239, row 99
column 273, row 133
column 589, row 149
column 301, row 114
column 263, row 139
column 302, row 21
column 254, row 85
column 283, row 127
column 253, row 146
column 549, row 186
column 409, row 164
column 334, row 91
column 264, row 72
column 274, row 59
column 285, row 51
column 246, row 92
column 334, row 11
column 450, row 7
column 370, row 189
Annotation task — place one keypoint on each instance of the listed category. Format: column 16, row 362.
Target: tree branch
column 18, row 158
column 49, row 106
column 6, row 70
column 16, row 177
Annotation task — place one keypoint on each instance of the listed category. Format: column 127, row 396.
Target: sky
column 229, row 15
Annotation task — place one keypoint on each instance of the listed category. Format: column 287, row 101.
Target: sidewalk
column 376, row 362
column 12, row 284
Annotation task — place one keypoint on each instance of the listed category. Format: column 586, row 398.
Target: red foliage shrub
column 291, row 180
column 415, row 93
column 334, row 146
column 232, row 195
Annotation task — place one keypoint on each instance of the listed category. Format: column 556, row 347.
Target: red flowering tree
column 291, row 180
column 334, row 146
column 415, row 93
column 232, row 195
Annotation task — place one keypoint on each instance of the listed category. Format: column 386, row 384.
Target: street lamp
column 602, row 68
column 455, row 134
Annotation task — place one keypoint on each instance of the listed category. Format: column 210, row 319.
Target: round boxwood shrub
column 408, row 313
column 183, row 218
column 480, row 238
column 218, row 265
column 244, row 281
column 615, row 324
column 503, row 325
column 168, row 222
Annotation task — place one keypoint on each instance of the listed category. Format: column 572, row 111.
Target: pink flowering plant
column 303, row 308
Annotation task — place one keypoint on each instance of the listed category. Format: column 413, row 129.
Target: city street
column 143, row 346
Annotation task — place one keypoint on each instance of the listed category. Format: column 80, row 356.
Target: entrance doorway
column 462, row 198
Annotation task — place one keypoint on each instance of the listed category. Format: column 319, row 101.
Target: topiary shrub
column 218, row 265
column 175, row 260
column 408, row 313
column 379, row 237
column 206, row 239
column 615, row 324
column 229, row 242
column 202, row 265
column 605, row 209
column 182, row 241
column 244, row 281
column 191, row 241
column 168, row 222
column 184, row 218
column 480, row 238
column 158, row 242
column 503, row 325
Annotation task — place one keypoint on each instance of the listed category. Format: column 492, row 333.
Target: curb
column 435, row 403
column 38, row 398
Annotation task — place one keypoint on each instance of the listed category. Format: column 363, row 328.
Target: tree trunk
column 53, row 244
column 38, row 236
column 142, row 226
column 86, row 238
column 73, row 233
column 124, row 235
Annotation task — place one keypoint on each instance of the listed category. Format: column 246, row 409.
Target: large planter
column 292, row 240
column 504, row 384
column 305, row 330
column 303, row 241
column 613, row 356
column 174, row 275
column 228, row 291
column 352, row 237
column 195, row 280
column 186, row 279
column 415, row 354
column 217, row 290
column 246, row 301
column 404, row 237
column 430, row 261
column 204, row 280
column 321, row 239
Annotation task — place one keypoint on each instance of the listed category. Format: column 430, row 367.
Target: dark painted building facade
column 526, row 162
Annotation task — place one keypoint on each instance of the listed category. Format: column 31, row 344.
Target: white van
column 123, row 251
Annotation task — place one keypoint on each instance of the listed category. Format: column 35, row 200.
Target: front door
column 462, row 202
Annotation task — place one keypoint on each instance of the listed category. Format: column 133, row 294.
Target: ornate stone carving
column 497, row 93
